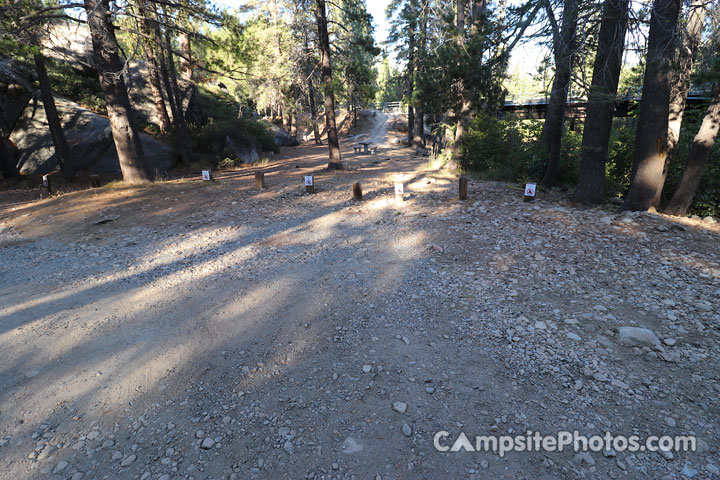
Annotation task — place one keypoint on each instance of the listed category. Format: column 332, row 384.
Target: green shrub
column 224, row 122
column 620, row 156
column 500, row 149
column 77, row 86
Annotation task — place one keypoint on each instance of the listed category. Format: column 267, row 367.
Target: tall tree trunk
column 311, row 95
column 354, row 110
column 419, row 120
column 564, row 44
column 122, row 119
column 651, row 140
column 286, row 118
column 182, row 134
column 293, row 126
column 601, row 102
column 698, row 157
column 681, row 83
column 186, row 68
column 326, row 70
column 464, row 113
column 411, row 78
column 313, row 112
column 62, row 149
column 8, row 165
column 148, row 25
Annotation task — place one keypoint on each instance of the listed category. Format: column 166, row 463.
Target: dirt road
column 212, row 330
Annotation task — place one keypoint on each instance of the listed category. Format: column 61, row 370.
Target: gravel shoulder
column 211, row 330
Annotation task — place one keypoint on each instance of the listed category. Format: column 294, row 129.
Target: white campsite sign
column 399, row 189
column 308, row 180
column 206, row 174
column 530, row 189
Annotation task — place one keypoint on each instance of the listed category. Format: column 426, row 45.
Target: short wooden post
column 46, row 184
column 530, row 190
column 309, row 184
column 357, row 191
column 462, row 188
column 260, row 180
column 399, row 192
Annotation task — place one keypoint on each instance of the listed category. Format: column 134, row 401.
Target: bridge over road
column 529, row 106
column 534, row 106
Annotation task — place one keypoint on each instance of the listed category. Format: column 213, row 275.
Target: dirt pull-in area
column 210, row 330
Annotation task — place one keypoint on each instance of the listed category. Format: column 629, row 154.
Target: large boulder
column 88, row 134
column 281, row 137
column 13, row 99
column 8, row 154
column 159, row 157
column 246, row 153
column 69, row 43
column 14, row 94
column 141, row 97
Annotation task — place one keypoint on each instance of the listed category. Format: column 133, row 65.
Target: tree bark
column 464, row 113
column 601, row 102
column 681, row 83
column 564, row 44
column 419, row 120
column 149, row 25
column 293, row 126
column 651, row 140
column 411, row 78
column 698, row 157
column 8, row 165
column 311, row 95
column 62, row 149
column 326, row 70
column 186, row 69
column 182, row 133
column 110, row 66
column 313, row 112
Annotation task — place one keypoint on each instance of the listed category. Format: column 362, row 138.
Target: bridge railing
column 389, row 107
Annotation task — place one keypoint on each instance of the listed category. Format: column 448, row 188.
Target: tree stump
column 462, row 188
column 260, row 180
column 357, row 191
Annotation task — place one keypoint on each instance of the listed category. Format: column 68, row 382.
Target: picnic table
column 364, row 149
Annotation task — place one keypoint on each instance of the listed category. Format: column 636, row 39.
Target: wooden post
column 530, row 189
column 399, row 192
column 462, row 187
column 260, row 180
column 46, row 184
column 309, row 184
column 357, row 191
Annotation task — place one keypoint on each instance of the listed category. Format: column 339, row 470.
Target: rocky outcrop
column 281, row 137
column 71, row 44
column 14, row 94
column 88, row 135
column 246, row 153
